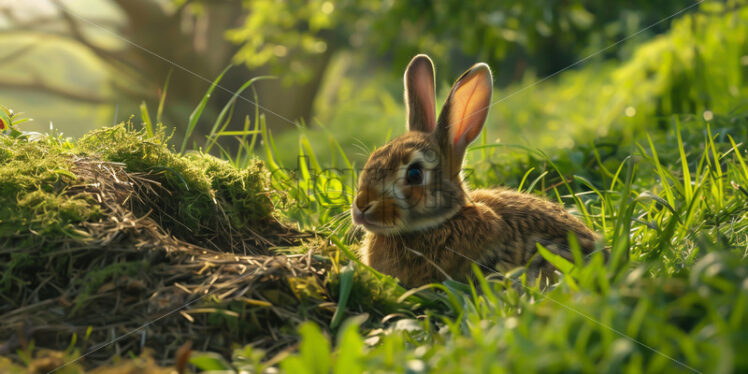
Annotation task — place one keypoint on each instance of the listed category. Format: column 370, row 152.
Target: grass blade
column 661, row 172
column 740, row 158
column 687, row 188
column 198, row 112
column 162, row 97
column 146, row 119
column 346, row 284
column 214, row 132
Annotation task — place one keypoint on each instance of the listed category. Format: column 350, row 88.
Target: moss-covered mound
column 115, row 241
column 200, row 198
column 197, row 198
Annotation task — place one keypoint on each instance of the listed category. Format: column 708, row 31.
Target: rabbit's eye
column 414, row 174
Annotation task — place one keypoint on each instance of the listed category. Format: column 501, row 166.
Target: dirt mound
column 115, row 243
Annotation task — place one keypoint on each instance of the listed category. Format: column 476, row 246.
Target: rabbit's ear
column 419, row 94
column 465, row 111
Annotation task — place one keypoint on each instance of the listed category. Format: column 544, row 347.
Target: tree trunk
column 296, row 102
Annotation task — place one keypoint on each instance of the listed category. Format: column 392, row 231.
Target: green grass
column 673, row 207
column 666, row 188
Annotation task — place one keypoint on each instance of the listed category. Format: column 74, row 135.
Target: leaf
column 315, row 349
column 236, row 95
column 560, row 263
column 294, row 364
column 648, row 195
column 346, row 284
column 740, row 158
column 218, row 130
column 4, row 120
column 351, row 348
column 210, row 361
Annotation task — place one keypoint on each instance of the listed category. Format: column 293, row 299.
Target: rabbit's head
column 413, row 182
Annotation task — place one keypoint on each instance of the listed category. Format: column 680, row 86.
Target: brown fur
column 423, row 232
column 498, row 229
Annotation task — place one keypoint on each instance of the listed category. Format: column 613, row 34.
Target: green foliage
column 319, row 196
column 314, row 353
column 208, row 361
column 270, row 31
column 652, row 157
column 198, row 112
column 695, row 67
column 676, row 301
column 666, row 189
column 512, row 34
column 9, row 120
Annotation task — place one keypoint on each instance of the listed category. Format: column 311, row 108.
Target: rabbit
column 422, row 223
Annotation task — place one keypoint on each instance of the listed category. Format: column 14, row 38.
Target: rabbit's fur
column 423, row 223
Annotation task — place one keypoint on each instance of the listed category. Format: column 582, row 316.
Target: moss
column 245, row 189
column 35, row 179
column 35, row 205
column 46, row 204
column 201, row 188
column 116, row 226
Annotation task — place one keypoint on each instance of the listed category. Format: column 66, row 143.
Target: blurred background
column 337, row 65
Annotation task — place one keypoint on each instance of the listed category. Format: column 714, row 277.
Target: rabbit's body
column 498, row 229
column 423, row 223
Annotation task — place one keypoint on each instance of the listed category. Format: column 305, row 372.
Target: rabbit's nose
column 365, row 199
column 367, row 207
column 363, row 203
column 360, row 207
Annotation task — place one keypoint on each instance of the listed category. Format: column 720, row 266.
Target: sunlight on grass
column 667, row 190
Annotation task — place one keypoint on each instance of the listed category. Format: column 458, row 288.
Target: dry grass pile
column 114, row 244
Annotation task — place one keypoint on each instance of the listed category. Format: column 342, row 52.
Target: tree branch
column 110, row 57
column 142, row 11
column 120, row 69
column 16, row 54
column 47, row 22
column 40, row 86
column 75, row 29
